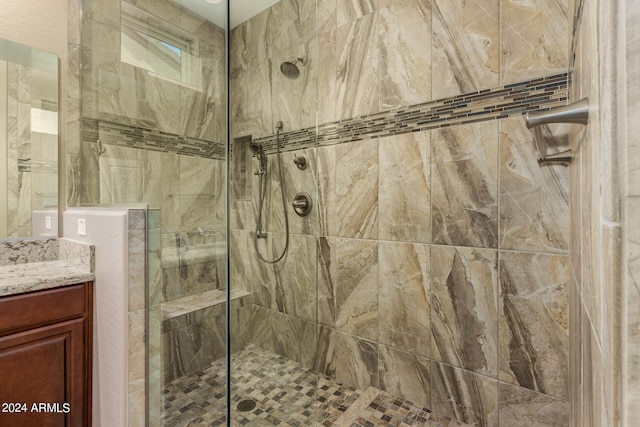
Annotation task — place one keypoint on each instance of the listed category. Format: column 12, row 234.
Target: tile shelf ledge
column 201, row 301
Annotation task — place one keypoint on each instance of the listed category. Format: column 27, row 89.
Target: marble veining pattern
column 357, row 70
column 522, row 407
column 22, row 251
column 464, row 395
column 465, row 185
column 466, row 46
column 404, row 285
column 534, row 38
column 534, row 201
column 405, row 53
column 534, row 321
column 404, row 188
column 465, row 308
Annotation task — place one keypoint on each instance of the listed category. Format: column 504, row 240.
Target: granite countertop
column 36, row 276
column 74, row 263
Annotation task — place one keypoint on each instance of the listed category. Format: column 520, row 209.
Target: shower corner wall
column 604, row 297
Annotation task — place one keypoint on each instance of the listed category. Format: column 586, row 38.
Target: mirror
column 28, row 142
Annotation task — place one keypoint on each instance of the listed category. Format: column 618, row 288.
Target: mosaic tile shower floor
column 286, row 395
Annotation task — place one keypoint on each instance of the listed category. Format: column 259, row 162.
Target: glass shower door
column 154, row 127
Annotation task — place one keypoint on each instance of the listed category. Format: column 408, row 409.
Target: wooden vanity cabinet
column 45, row 357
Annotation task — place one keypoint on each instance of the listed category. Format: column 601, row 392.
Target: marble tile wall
column 403, row 311
column 604, row 315
column 131, row 107
column 375, row 55
column 441, row 254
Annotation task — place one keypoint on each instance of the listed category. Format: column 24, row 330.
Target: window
column 158, row 46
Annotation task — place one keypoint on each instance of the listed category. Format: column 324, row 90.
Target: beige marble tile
column 404, row 292
column 327, row 15
column 356, row 288
column 157, row 102
column 164, row 9
column 279, row 333
column 292, row 22
column 350, row 360
column 73, row 127
column 74, row 20
column 136, row 409
column 590, row 377
column 250, row 107
column 72, row 182
column 351, row 10
column 136, row 361
column 326, row 270
column 464, row 396
column 215, row 330
column 405, row 53
column 632, row 380
column 534, row 322
column 534, row 39
column 465, row 308
column 405, row 375
column 522, row 407
column 466, row 46
column 575, row 356
column 358, row 72
column 326, row 172
column 534, row 200
column 404, row 188
column 198, row 190
column 154, row 354
column 294, row 284
column 464, row 177
column 246, row 271
column 117, row 97
column 73, row 71
column 182, row 351
column 327, row 76
column 356, row 195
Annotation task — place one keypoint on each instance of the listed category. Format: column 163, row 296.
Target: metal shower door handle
column 302, row 204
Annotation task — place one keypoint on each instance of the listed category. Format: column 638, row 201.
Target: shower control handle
column 301, row 162
column 302, row 204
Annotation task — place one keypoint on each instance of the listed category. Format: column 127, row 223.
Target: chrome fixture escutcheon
column 302, row 204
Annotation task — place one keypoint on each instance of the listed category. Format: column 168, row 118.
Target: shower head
column 290, row 69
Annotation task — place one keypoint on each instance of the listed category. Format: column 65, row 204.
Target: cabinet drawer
column 34, row 309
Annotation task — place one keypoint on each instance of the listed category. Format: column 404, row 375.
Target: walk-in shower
column 409, row 283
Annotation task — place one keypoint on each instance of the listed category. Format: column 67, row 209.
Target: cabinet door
column 43, row 367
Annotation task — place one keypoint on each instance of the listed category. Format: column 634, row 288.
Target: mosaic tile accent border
column 488, row 104
column 135, row 137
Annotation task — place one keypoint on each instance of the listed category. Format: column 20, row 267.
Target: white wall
column 37, row 23
column 108, row 230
